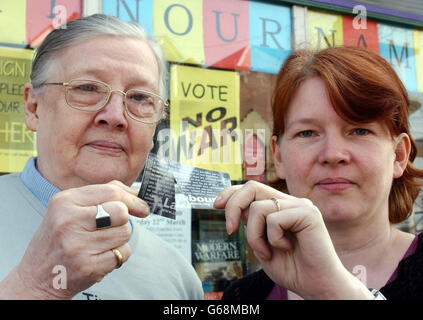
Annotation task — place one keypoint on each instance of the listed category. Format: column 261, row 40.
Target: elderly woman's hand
column 68, row 237
column 289, row 237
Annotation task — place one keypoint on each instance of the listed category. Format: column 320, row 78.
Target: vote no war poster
column 204, row 119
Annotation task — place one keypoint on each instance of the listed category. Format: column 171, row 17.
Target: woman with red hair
column 343, row 152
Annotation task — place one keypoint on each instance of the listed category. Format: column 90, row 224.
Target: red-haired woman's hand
column 290, row 239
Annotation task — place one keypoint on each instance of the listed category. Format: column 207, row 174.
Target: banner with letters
column 250, row 35
column 399, row 46
column 240, row 35
column 236, row 34
column 204, row 119
column 17, row 143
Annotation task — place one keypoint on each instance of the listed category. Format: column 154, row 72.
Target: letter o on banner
column 166, row 19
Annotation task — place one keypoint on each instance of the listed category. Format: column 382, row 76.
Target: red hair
column 362, row 87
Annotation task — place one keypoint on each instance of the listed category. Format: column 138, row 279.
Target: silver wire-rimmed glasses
column 92, row 95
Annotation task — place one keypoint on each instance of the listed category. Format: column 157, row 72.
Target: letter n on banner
column 131, row 10
column 226, row 42
column 397, row 46
column 324, row 30
column 356, row 35
column 179, row 29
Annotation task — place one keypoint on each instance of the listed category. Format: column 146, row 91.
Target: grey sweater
column 155, row 270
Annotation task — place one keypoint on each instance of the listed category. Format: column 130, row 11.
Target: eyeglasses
column 92, row 95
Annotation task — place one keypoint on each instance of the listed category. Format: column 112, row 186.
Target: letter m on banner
column 396, row 46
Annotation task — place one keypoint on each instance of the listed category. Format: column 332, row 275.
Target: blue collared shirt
column 42, row 189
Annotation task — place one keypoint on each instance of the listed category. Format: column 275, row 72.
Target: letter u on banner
column 226, row 42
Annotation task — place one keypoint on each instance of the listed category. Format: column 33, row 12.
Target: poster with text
column 204, row 119
column 17, row 143
column 177, row 232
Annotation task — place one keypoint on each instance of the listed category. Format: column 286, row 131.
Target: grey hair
column 79, row 30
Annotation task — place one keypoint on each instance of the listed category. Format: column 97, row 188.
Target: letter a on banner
column 360, row 37
column 204, row 119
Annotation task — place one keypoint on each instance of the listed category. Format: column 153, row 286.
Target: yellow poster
column 418, row 53
column 13, row 22
column 204, row 119
column 178, row 26
column 324, row 30
column 17, row 143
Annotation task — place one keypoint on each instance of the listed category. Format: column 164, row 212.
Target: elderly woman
column 96, row 95
column 343, row 152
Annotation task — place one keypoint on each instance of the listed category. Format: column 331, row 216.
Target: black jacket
column 408, row 284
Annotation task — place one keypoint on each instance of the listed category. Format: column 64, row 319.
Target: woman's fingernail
column 229, row 227
column 218, row 199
